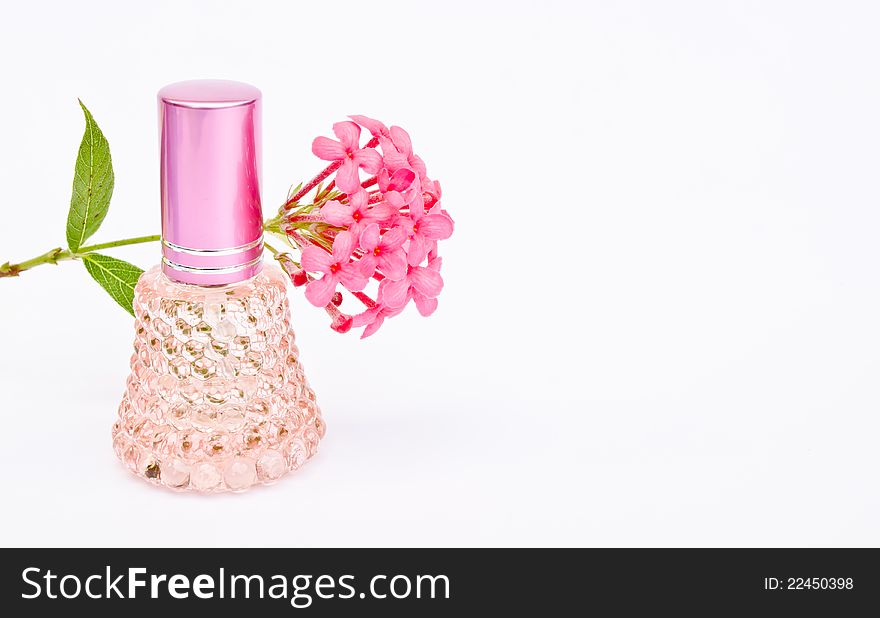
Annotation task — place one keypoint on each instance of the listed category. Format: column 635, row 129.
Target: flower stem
column 53, row 256
column 368, row 302
column 306, row 219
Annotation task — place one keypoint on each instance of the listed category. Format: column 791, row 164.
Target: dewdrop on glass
column 216, row 399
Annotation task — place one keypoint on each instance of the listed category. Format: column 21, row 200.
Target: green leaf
column 92, row 185
column 118, row 277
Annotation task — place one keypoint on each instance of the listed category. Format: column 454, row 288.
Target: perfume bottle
column 216, row 399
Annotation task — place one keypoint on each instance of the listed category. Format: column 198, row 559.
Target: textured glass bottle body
column 216, row 399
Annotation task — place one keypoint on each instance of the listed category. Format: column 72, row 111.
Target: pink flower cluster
column 382, row 225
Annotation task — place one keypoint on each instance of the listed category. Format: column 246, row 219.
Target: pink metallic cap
column 212, row 218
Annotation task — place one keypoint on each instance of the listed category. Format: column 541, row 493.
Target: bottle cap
column 210, row 167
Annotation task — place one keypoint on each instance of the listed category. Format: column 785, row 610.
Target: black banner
column 436, row 582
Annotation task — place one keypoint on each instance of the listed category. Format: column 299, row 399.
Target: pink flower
column 396, row 202
column 337, row 268
column 424, row 232
column 425, row 305
column 401, row 180
column 387, row 227
column 373, row 318
column 398, row 153
column 385, row 251
column 356, row 213
column 348, row 151
column 373, row 126
column 421, row 280
column 431, row 190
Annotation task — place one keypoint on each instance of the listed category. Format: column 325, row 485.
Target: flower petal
column 436, row 227
column 356, row 228
column 347, row 178
column 373, row 126
column 348, row 133
column 388, row 312
column 316, row 260
column 367, row 265
column 368, row 159
column 393, row 265
column 366, row 317
column 401, row 180
column 416, row 201
column 395, row 160
column 373, row 326
column 327, row 149
column 393, row 293
column 358, row 199
column 418, row 166
column 387, row 145
column 380, row 212
column 370, row 237
column 393, row 239
column 426, row 281
column 417, row 250
column 343, row 245
column 351, row 277
column 335, row 213
column 384, row 179
column 431, row 246
column 395, row 200
column 426, row 306
column 432, row 187
column 401, row 140
column 320, row 291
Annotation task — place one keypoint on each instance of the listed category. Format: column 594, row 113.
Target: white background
column 660, row 321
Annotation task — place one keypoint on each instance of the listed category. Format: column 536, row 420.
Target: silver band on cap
column 222, row 270
column 214, row 252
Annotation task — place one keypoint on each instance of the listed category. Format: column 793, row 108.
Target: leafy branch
column 89, row 202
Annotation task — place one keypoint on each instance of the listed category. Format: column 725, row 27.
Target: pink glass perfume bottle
column 216, row 399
